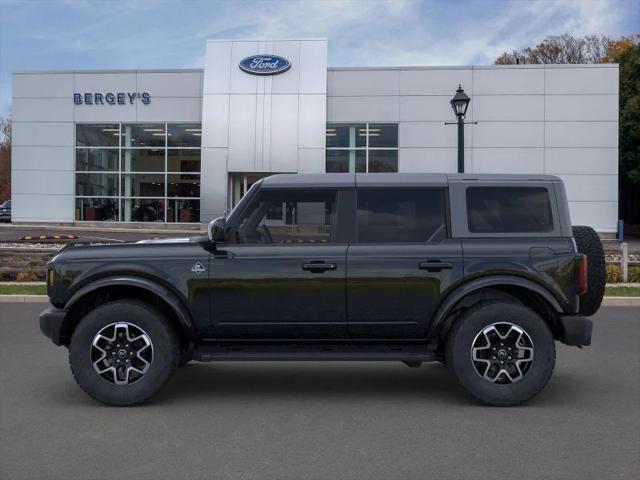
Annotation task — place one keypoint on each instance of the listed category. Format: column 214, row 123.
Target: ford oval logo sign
column 265, row 64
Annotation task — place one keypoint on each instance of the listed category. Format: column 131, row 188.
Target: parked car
column 5, row 211
column 480, row 272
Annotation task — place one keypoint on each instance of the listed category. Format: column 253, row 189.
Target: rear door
column 401, row 263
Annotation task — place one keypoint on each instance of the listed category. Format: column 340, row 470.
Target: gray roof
column 324, row 180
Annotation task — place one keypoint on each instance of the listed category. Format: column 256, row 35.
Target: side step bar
column 233, row 351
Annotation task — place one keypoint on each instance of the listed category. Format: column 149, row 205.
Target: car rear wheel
column 503, row 354
column 123, row 352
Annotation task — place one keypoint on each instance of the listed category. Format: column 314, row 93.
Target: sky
column 108, row 34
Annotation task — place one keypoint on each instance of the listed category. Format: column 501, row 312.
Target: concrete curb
column 24, row 299
column 621, row 301
column 608, row 301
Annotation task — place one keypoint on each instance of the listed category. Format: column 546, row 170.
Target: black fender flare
column 169, row 297
column 439, row 322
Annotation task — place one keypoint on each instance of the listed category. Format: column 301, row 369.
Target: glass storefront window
column 142, row 209
column 184, row 135
column 346, row 135
column 183, row 211
column 143, row 185
column 383, row 161
column 143, row 160
column 129, row 172
column 104, row 135
column 362, row 147
column 96, row 184
column 345, row 161
column 383, row 135
column 96, row 159
column 181, row 185
column 144, row 135
column 96, row 209
column 183, row 160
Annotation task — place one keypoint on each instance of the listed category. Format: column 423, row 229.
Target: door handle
column 435, row 266
column 318, row 267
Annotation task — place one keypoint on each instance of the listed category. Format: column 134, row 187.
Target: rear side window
column 401, row 215
column 509, row 210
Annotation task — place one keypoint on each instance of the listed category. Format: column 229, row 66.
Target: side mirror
column 217, row 230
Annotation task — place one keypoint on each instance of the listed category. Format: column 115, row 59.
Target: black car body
column 345, row 267
column 5, row 211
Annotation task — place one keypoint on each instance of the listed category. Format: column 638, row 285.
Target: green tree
column 600, row 49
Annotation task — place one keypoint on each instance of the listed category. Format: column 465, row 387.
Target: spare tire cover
column 588, row 243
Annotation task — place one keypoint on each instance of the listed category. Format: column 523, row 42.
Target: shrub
column 614, row 273
column 634, row 274
column 27, row 276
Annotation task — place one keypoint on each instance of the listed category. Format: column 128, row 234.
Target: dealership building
column 182, row 146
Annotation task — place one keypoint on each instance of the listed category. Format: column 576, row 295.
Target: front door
column 281, row 274
column 402, row 262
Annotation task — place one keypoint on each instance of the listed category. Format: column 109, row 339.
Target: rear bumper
column 576, row 330
column 51, row 324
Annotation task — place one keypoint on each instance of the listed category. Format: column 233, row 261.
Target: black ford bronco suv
column 480, row 272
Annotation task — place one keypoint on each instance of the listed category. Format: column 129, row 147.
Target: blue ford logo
column 265, row 64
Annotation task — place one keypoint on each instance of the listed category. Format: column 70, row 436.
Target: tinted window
column 288, row 217
column 413, row 215
column 509, row 210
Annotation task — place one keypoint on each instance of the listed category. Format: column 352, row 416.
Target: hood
column 166, row 240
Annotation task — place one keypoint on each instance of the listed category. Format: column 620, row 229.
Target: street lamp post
column 460, row 103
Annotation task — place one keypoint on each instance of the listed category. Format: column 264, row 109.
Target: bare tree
column 563, row 48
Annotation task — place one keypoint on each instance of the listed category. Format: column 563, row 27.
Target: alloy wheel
column 502, row 353
column 121, row 353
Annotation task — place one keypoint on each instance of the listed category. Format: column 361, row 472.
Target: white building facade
column 182, row 146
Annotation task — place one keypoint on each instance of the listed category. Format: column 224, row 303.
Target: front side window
column 288, row 217
column 509, row 210
column 139, row 172
column 402, row 215
column 362, row 147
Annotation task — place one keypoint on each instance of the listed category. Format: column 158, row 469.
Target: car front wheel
column 503, row 354
column 123, row 352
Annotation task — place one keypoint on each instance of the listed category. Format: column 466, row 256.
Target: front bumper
column 576, row 330
column 52, row 324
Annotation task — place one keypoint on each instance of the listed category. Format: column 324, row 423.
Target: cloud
column 85, row 34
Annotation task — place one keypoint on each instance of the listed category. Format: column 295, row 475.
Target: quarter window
column 288, row 217
column 509, row 210
column 388, row 215
column 362, row 147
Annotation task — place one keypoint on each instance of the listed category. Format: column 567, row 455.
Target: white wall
column 261, row 123
column 555, row 119
column 44, row 115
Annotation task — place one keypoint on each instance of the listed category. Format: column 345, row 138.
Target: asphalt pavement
column 321, row 420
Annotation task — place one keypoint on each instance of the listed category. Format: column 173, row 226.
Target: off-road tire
column 459, row 356
column 165, row 344
column 588, row 243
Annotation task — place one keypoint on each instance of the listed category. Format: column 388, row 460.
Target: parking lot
column 321, row 420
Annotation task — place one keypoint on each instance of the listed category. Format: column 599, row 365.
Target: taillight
column 582, row 275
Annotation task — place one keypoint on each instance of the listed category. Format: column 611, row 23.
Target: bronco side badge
column 197, row 268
